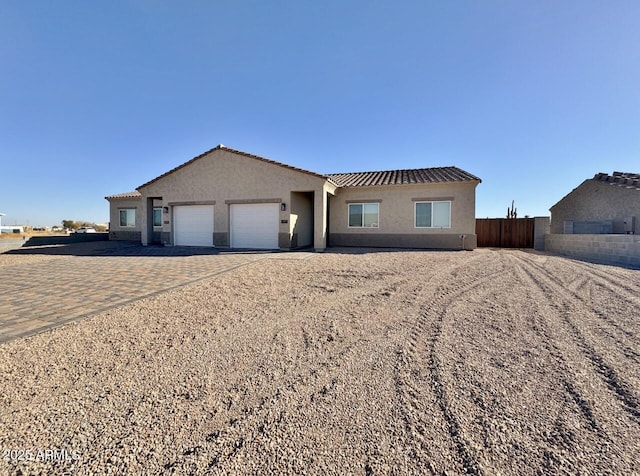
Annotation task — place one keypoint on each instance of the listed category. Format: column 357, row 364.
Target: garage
column 193, row 225
column 255, row 225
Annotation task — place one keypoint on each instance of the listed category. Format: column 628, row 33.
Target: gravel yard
column 484, row 362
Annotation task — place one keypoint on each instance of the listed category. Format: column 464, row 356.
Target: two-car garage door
column 253, row 225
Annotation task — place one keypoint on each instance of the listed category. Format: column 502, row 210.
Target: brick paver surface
column 89, row 278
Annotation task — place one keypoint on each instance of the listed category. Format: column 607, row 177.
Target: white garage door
column 193, row 225
column 255, row 225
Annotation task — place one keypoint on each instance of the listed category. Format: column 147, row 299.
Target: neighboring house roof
column 621, row 179
column 134, row 194
column 403, row 177
column 234, row 151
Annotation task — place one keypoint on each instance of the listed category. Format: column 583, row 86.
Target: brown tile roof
column 621, row 179
column 134, row 194
column 402, row 177
column 239, row 152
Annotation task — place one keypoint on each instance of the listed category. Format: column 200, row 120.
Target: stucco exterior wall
column 222, row 177
column 128, row 233
column 594, row 201
column 396, row 216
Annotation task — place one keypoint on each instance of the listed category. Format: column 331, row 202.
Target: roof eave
column 122, row 196
column 360, row 185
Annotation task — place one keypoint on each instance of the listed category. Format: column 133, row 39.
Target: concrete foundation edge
column 441, row 241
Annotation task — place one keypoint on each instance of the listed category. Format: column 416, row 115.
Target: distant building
column 598, row 221
column 10, row 229
column 605, row 204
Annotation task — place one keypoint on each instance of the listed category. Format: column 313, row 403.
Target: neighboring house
column 605, row 204
column 10, row 229
column 232, row 199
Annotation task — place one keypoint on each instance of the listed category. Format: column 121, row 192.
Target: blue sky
column 97, row 98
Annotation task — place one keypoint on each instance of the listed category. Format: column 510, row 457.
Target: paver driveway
column 84, row 279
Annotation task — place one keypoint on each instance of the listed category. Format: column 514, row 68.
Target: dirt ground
column 354, row 362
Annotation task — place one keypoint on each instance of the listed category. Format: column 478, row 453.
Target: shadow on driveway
column 132, row 248
column 127, row 248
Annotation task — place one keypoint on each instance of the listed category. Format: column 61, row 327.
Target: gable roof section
column 233, row 151
column 621, row 179
column 403, row 177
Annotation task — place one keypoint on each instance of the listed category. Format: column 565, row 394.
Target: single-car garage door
column 255, row 225
column 193, row 225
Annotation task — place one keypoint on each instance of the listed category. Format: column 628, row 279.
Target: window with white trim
column 157, row 217
column 128, row 217
column 364, row 215
column 433, row 214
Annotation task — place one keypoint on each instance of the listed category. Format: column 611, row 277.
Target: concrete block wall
column 607, row 249
column 541, row 228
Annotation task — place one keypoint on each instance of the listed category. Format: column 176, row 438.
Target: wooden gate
column 505, row 232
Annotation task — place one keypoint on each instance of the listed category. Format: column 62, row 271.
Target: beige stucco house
column 231, row 199
column 604, row 204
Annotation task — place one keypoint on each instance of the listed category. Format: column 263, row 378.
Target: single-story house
column 232, row 199
column 604, row 204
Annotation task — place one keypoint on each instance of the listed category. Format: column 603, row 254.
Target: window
column 128, row 217
column 157, row 217
column 363, row 215
column 433, row 215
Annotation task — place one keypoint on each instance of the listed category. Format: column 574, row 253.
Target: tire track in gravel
column 567, row 304
column 226, row 442
column 425, row 334
column 615, row 280
column 602, row 318
column 615, row 283
column 568, row 378
column 254, row 423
